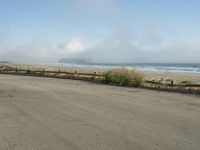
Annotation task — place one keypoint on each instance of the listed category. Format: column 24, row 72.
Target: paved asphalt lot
column 56, row 114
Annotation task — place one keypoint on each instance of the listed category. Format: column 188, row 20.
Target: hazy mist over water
column 191, row 68
column 104, row 31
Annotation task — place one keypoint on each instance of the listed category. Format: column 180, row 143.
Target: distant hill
column 75, row 61
column 4, row 62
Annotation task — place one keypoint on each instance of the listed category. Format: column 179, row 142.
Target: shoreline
column 177, row 76
column 173, row 76
column 157, row 81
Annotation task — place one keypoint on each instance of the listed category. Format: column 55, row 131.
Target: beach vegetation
column 186, row 82
column 124, row 77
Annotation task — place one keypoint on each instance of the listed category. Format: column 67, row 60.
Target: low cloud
column 41, row 51
column 126, row 46
column 30, row 52
column 75, row 45
column 122, row 45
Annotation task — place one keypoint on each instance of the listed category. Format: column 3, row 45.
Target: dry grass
column 124, row 77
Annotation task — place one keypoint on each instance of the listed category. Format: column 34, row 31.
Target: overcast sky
column 44, row 31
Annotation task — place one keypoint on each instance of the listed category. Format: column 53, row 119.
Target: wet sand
column 59, row 114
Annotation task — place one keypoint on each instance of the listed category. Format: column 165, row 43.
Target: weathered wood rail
column 86, row 76
column 49, row 73
column 172, row 84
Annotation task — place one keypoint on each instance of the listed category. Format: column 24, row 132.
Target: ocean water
column 193, row 68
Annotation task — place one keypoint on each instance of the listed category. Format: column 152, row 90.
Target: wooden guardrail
column 172, row 84
column 43, row 72
column 13, row 70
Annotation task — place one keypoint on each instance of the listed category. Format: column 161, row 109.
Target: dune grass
column 124, row 77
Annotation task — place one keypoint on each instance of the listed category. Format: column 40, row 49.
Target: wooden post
column 16, row 69
column 172, row 82
column 95, row 73
column 59, row 71
column 75, row 72
column 43, row 70
column 28, row 70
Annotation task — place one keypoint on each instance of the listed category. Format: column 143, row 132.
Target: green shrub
column 123, row 77
column 186, row 82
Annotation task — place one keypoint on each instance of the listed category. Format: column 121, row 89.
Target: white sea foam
column 175, row 68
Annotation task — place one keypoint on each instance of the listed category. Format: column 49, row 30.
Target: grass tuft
column 124, row 77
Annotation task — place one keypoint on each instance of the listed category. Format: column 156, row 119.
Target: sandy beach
column 47, row 114
column 174, row 76
column 195, row 78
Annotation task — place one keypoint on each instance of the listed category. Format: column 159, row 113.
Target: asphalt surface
column 57, row 114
